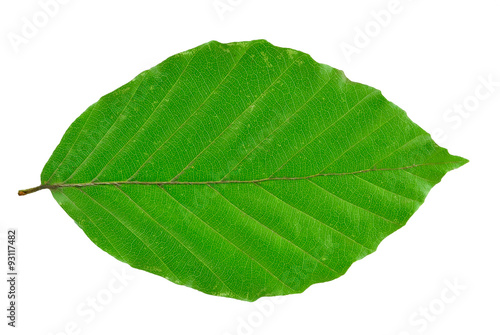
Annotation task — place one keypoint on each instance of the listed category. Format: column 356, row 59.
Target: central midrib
column 215, row 182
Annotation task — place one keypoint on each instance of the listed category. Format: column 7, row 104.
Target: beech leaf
column 243, row 170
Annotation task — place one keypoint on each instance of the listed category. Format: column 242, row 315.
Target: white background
column 431, row 56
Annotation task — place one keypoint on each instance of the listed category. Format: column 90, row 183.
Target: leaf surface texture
column 243, row 170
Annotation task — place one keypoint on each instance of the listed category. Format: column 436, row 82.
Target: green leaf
column 243, row 170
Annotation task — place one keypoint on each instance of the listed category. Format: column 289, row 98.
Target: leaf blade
column 243, row 170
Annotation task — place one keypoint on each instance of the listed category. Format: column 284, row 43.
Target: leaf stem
column 34, row 189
